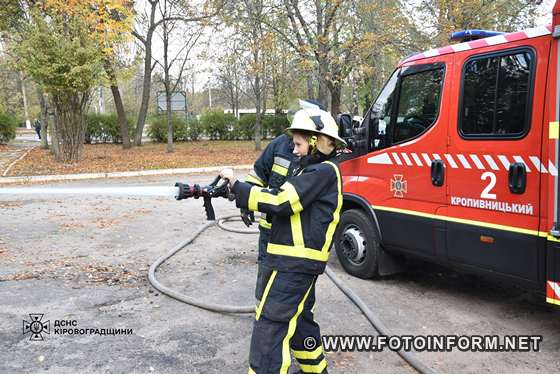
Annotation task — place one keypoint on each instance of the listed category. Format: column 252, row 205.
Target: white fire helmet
column 313, row 119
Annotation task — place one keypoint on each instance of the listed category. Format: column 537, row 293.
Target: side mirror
column 345, row 125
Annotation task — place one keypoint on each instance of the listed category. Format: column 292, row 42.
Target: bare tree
column 151, row 22
column 172, row 28
column 229, row 74
column 250, row 26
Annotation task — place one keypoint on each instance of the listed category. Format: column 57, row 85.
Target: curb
column 141, row 173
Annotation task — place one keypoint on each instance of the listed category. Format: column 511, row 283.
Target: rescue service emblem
column 398, row 185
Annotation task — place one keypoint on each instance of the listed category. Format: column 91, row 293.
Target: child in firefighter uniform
column 305, row 212
column 271, row 169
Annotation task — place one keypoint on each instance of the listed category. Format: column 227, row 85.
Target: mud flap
column 389, row 264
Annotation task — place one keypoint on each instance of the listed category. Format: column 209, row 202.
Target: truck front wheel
column 357, row 244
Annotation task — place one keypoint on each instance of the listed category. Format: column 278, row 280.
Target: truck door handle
column 517, row 178
column 437, row 172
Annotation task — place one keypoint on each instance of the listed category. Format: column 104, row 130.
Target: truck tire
column 357, row 244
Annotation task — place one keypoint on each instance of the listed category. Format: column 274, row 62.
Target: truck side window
column 418, row 103
column 496, row 95
column 381, row 113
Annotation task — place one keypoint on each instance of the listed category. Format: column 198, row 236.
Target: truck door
column 408, row 132
column 495, row 159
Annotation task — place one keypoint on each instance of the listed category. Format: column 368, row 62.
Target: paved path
column 13, row 151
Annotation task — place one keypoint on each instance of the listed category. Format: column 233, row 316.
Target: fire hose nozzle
column 185, row 191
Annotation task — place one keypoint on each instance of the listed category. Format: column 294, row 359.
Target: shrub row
column 183, row 129
column 104, row 128
column 216, row 125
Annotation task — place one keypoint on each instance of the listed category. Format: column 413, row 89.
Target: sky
column 205, row 66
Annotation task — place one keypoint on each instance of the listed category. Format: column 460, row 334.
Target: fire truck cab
column 456, row 162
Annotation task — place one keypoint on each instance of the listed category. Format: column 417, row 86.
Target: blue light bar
column 468, row 35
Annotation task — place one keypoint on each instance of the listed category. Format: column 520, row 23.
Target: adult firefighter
column 305, row 212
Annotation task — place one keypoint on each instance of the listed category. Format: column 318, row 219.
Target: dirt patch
column 10, row 204
column 70, row 269
column 102, row 158
column 98, row 222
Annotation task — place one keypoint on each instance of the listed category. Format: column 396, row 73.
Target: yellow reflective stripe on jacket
column 308, row 355
column 264, row 223
column 265, row 294
column 301, row 252
column 297, row 231
column 314, row 368
column 256, row 196
column 336, row 215
column 280, row 170
column 254, row 180
column 288, row 194
column 286, row 361
column 292, row 196
column 251, row 371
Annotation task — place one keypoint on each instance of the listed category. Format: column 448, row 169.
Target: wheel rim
column 353, row 245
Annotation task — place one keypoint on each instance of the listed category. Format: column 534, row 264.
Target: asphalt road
column 84, row 260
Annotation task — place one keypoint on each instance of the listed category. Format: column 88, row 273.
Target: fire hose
column 196, row 191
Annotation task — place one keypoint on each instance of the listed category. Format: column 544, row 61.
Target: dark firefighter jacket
column 273, row 167
column 305, row 212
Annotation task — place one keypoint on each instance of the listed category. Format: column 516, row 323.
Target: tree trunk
column 258, row 113
column 335, row 91
column 169, row 122
column 310, row 89
column 323, row 95
column 70, row 124
column 146, row 86
column 121, row 114
column 25, row 105
column 55, row 149
column 147, row 81
column 44, row 117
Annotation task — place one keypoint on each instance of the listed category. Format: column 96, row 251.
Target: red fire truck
column 457, row 162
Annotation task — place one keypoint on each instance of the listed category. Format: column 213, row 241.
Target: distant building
column 268, row 112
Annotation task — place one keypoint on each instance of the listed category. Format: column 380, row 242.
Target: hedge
column 182, row 129
column 104, row 128
column 218, row 125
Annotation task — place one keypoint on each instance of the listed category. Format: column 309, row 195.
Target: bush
column 218, row 125
column 276, row 124
column 194, row 129
column 158, row 129
column 7, row 128
column 246, row 126
column 104, row 128
column 270, row 126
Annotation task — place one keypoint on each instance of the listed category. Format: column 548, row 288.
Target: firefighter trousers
column 284, row 322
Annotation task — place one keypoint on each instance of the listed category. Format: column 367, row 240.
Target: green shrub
column 105, row 128
column 7, row 128
column 276, row 124
column 246, row 126
column 218, row 125
column 158, row 128
column 194, row 129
